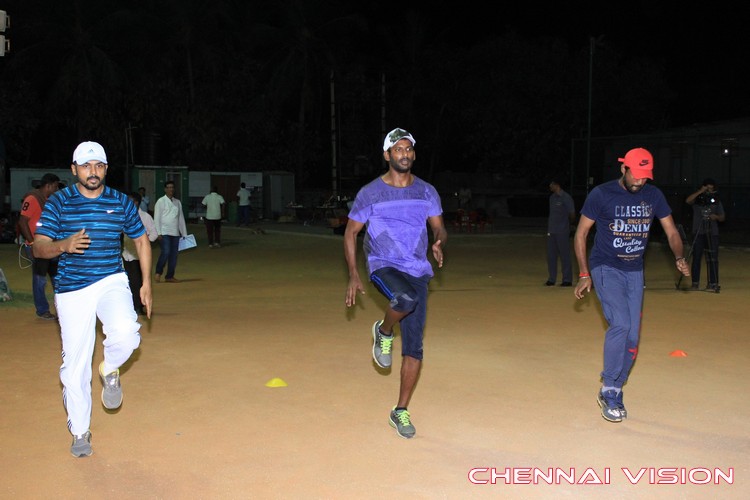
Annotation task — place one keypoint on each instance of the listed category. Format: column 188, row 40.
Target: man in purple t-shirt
column 396, row 208
column 623, row 211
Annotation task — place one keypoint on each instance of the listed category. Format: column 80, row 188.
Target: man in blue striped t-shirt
column 82, row 225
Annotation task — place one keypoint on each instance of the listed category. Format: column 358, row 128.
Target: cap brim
column 88, row 158
column 389, row 145
column 641, row 173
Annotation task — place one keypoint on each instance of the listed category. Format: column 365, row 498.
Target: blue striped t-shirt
column 104, row 218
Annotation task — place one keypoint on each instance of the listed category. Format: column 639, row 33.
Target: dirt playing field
column 508, row 384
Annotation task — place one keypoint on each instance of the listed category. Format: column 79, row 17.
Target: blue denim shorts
column 405, row 293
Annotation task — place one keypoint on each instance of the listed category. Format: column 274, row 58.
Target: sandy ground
column 508, row 384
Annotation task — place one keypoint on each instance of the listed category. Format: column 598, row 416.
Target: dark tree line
column 244, row 84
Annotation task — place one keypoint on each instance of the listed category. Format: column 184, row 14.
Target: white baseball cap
column 88, row 151
column 396, row 135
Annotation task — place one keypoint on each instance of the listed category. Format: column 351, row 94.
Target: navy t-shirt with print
column 623, row 221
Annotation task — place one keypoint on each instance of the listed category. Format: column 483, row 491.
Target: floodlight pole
column 382, row 111
column 588, row 127
column 129, row 157
column 334, row 166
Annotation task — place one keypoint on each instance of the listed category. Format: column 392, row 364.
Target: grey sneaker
column 112, row 391
column 81, row 446
column 381, row 346
column 609, row 405
column 401, row 421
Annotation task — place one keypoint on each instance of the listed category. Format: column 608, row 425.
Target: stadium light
column 4, row 24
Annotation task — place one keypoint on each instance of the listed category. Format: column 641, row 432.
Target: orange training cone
column 678, row 354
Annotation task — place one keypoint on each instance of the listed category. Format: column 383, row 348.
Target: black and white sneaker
column 608, row 403
column 621, row 406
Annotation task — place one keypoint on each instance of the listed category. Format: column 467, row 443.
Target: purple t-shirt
column 623, row 221
column 396, row 220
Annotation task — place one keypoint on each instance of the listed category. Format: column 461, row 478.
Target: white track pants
column 111, row 301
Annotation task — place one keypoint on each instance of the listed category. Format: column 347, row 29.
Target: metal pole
column 588, row 127
column 127, row 159
column 572, row 163
column 129, row 156
column 334, row 169
column 382, row 110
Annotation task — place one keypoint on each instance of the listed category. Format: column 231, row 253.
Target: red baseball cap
column 640, row 162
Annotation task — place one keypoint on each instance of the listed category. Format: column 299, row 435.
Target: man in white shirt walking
column 130, row 256
column 214, row 203
column 243, row 215
column 170, row 224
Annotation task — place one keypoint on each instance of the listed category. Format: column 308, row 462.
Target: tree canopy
column 231, row 84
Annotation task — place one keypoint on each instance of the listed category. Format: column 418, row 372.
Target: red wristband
column 584, row 275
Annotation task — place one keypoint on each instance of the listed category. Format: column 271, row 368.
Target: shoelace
column 610, row 399
column 81, row 438
column 403, row 417
column 385, row 344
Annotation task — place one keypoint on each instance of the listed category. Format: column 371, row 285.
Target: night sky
column 700, row 45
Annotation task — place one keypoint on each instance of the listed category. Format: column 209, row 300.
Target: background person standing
column 397, row 207
column 623, row 211
column 562, row 214
column 145, row 204
column 31, row 211
column 464, row 198
column 82, row 225
column 243, row 212
column 170, row 224
column 214, row 203
column 707, row 213
column 130, row 254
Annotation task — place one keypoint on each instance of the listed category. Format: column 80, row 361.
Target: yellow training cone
column 275, row 382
